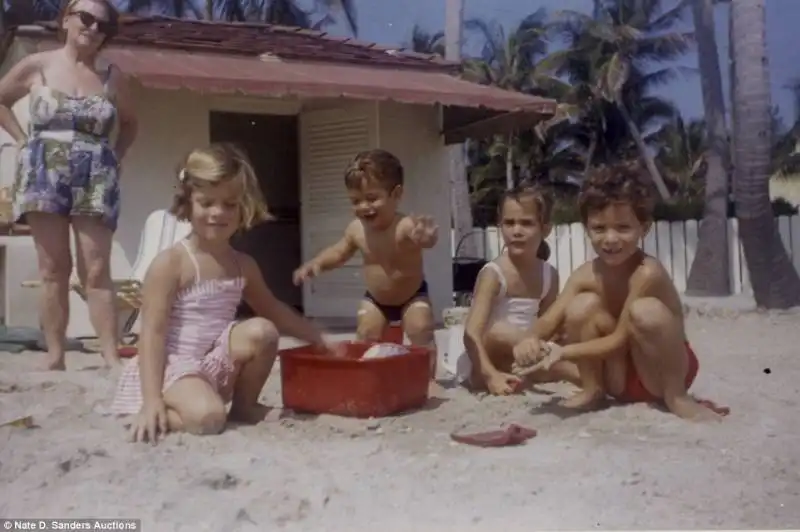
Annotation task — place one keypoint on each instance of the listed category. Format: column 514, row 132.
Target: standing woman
column 68, row 171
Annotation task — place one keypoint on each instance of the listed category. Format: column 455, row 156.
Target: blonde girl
column 510, row 293
column 194, row 358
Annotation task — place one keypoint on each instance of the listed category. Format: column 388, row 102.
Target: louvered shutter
column 328, row 141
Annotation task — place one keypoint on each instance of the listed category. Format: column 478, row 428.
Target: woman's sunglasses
column 88, row 20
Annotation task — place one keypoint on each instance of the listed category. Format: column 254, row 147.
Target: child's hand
column 502, row 383
column 528, row 351
column 553, row 354
column 424, row 230
column 334, row 349
column 305, row 273
column 150, row 422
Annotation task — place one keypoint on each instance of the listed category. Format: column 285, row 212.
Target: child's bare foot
column 687, row 408
column 55, row 363
column 250, row 415
column 584, row 400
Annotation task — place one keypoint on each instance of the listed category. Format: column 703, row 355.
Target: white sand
column 625, row 467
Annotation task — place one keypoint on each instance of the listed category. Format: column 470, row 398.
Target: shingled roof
column 256, row 39
column 264, row 60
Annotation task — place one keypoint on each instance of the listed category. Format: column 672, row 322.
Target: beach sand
column 624, row 467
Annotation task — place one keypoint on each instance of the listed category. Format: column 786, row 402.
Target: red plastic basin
column 349, row 386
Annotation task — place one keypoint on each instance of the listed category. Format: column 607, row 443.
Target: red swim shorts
column 635, row 392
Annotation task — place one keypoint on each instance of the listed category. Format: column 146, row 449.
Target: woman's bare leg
column 254, row 347
column 93, row 242
column 661, row 359
column 51, row 237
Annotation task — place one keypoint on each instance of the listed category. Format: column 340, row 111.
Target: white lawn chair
column 161, row 230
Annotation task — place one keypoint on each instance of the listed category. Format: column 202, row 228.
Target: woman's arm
column 486, row 289
column 265, row 304
column 126, row 114
column 161, row 284
column 14, row 86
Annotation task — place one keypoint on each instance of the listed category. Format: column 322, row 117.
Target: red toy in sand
column 511, row 435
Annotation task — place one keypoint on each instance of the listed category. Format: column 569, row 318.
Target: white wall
column 173, row 122
column 412, row 134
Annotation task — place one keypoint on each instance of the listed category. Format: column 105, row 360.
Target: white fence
column 674, row 243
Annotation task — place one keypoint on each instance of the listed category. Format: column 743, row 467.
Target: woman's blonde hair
column 111, row 11
column 208, row 167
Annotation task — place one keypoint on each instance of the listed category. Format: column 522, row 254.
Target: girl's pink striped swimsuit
column 197, row 340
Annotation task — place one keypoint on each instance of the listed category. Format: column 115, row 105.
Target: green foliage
column 566, row 212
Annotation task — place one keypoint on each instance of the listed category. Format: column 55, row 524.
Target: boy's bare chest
column 385, row 250
column 613, row 294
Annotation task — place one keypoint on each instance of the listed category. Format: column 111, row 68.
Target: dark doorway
column 271, row 142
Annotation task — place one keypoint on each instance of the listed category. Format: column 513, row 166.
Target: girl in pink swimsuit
column 193, row 357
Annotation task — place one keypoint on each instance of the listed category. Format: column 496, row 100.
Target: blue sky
column 390, row 22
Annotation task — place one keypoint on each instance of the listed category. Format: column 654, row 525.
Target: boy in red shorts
column 621, row 313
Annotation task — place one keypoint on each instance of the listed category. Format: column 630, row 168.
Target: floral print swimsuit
column 67, row 166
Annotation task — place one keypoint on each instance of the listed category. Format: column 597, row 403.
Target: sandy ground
column 624, row 467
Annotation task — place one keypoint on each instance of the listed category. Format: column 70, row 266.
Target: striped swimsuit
column 197, row 340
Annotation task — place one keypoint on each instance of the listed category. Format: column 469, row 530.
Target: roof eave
column 496, row 122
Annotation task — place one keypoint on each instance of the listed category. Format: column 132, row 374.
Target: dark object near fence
column 465, row 273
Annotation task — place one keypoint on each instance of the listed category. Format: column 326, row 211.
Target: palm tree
column 291, row 13
column 7, row 34
column 424, row 42
column 171, row 8
column 616, row 49
column 282, row 12
column 710, row 271
column 460, row 205
column 775, row 281
column 507, row 62
column 682, row 154
column 14, row 13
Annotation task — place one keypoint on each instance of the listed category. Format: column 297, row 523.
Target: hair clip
column 182, row 175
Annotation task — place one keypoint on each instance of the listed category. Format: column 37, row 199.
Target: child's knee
column 582, row 308
column 419, row 328
column 260, row 334
column 418, row 324
column 503, row 336
column 370, row 323
column 648, row 315
column 369, row 332
column 206, row 418
column 212, row 422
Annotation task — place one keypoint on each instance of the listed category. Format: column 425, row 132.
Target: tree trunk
column 210, row 9
column 510, row 162
column 590, row 154
column 710, row 271
column 731, row 88
column 655, row 175
column 6, row 36
column 461, row 206
column 776, row 283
